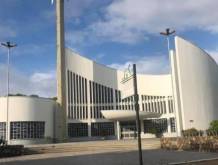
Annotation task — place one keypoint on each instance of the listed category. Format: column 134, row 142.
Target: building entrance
column 128, row 130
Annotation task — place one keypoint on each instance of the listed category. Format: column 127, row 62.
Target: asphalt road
column 150, row 157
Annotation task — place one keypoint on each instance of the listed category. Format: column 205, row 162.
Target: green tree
column 214, row 126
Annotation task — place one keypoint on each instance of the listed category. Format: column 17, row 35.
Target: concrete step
column 109, row 145
column 96, row 147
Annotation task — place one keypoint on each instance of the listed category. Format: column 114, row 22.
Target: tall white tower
column 61, row 71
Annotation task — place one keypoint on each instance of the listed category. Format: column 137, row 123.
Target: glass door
column 128, row 130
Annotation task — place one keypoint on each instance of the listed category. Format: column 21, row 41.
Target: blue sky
column 112, row 32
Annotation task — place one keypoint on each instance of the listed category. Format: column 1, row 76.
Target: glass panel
column 77, row 129
column 3, row 130
column 27, row 130
column 102, row 129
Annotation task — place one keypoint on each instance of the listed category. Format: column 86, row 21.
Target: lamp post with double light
column 167, row 33
column 9, row 46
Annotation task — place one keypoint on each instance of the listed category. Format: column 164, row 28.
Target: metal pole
column 168, row 44
column 138, row 125
column 8, row 45
column 167, row 33
column 8, row 125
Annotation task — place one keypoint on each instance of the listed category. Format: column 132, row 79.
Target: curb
column 193, row 161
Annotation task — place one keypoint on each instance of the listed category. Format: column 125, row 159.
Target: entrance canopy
column 125, row 115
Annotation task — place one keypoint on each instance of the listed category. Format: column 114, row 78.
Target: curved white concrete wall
column 29, row 109
column 196, row 85
column 157, row 85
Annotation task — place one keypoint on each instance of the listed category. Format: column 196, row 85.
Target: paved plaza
column 150, row 157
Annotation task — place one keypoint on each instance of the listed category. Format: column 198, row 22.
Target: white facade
column 29, row 115
column 185, row 98
column 188, row 93
column 155, row 94
column 195, row 76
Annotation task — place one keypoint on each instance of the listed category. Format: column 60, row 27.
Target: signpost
column 127, row 81
column 130, row 78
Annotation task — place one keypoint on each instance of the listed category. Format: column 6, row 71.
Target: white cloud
column 39, row 83
column 6, row 32
column 128, row 21
column 74, row 8
column 158, row 64
column 76, row 37
column 100, row 56
column 33, row 49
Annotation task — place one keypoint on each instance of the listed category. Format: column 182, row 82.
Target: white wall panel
column 158, row 85
column 29, row 109
column 197, row 76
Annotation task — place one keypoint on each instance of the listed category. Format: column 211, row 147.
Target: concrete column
column 89, row 129
column 140, row 103
column 142, row 127
column 61, row 70
column 118, row 130
column 168, row 125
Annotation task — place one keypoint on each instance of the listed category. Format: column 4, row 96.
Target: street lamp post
column 8, row 45
column 167, row 33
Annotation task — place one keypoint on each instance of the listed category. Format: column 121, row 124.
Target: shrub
column 214, row 126
column 190, row 132
column 152, row 131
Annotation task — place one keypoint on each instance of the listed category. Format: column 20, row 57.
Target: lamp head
column 167, row 32
column 8, row 45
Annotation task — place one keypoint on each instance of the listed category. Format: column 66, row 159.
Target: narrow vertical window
column 80, row 90
column 77, row 89
column 71, row 86
column 90, row 91
column 116, row 95
column 112, row 95
column 83, row 91
column 86, row 112
column 109, row 95
column 96, row 92
column 74, row 88
column 102, row 93
column 119, row 94
column 91, row 112
column 94, row 95
column 106, row 95
column 99, row 93
column 86, row 101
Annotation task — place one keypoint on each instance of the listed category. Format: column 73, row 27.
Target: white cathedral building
column 95, row 107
